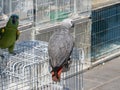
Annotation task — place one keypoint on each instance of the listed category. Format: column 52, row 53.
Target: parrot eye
column 17, row 17
column 11, row 16
column 14, row 16
column 72, row 24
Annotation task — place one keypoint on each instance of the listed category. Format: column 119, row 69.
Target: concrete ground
column 103, row 77
column 102, row 3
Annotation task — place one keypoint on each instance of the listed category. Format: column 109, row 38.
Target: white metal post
column 34, row 19
column 75, row 6
column 2, row 6
column 10, row 7
column 82, row 63
column 56, row 10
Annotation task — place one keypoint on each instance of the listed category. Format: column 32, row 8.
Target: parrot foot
column 2, row 57
column 3, row 75
column 69, row 62
column 66, row 66
column 13, row 53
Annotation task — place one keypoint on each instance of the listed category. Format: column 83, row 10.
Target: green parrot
column 9, row 34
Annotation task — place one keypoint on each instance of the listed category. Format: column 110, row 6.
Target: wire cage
column 105, row 37
column 43, row 11
column 29, row 69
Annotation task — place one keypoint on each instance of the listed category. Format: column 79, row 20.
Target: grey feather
column 60, row 46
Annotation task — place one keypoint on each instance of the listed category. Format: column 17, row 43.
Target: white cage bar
column 44, row 11
column 57, row 10
column 30, row 70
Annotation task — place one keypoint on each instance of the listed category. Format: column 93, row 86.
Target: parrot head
column 13, row 21
column 67, row 23
column 14, row 18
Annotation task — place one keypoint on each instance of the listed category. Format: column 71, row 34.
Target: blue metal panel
column 105, row 30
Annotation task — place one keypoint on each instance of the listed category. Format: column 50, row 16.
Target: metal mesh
column 57, row 10
column 105, row 31
column 29, row 69
column 43, row 11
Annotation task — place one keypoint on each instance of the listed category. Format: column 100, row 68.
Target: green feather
column 9, row 36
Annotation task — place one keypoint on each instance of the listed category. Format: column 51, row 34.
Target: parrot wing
column 17, row 34
column 2, row 30
column 59, row 48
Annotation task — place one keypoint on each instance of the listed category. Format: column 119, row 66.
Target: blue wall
column 105, row 30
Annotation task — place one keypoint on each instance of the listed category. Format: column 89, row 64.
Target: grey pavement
column 102, row 3
column 103, row 77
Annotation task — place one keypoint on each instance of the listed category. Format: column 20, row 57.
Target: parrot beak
column 56, row 78
column 14, row 20
column 73, row 24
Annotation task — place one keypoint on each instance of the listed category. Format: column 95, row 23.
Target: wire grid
column 57, row 10
column 45, row 11
column 105, row 31
column 29, row 69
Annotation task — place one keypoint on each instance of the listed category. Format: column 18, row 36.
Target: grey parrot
column 60, row 47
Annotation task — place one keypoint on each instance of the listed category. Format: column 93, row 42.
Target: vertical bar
column 75, row 77
column 10, row 7
column 2, row 82
column 56, row 11
column 34, row 18
column 34, row 12
column 75, row 6
column 2, row 7
column 82, row 62
column 49, row 9
column 30, row 80
column 37, row 77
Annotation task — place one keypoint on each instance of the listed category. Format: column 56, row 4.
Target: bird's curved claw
column 66, row 67
column 2, row 56
column 13, row 53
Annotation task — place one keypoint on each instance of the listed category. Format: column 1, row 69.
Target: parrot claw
column 2, row 57
column 67, row 66
column 13, row 53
